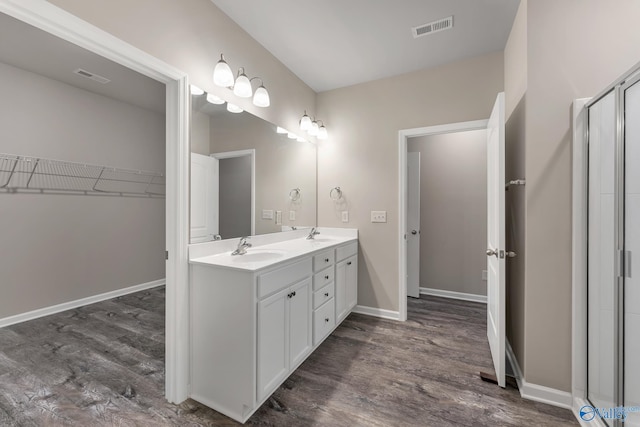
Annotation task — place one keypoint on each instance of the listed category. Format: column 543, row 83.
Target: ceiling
column 42, row 53
column 336, row 43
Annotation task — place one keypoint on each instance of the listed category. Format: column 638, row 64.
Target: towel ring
column 335, row 193
column 294, row 194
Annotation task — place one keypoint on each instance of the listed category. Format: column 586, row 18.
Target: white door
column 204, row 198
column 496, row 331
column 413, row 225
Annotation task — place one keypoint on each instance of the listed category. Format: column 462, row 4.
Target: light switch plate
column 378, row 216
column 278, row 217
column 345, row 216
column 292, row 215
column 267, row 214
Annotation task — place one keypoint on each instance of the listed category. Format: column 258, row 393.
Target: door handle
column 414, row 232
column 511, row 254
column 491, row 252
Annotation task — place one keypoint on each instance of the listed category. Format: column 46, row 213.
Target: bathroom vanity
column 256, row 317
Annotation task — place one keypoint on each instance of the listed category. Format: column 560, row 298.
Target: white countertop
column 265, row 255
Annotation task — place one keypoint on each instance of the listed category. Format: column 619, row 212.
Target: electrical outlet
column 378, row 216
column 278, row 217
column 345, row 216
column 292, row 215
column 484, row 274
column 267, row 214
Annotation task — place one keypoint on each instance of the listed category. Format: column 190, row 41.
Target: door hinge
column 166, row 255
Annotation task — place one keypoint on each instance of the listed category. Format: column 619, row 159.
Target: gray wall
column 58, row 248
column 453, row 210
column 565, row 59
column 361, row 155
column 235, row 197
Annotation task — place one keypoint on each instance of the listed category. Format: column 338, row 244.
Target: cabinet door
column 273, row 334
column 299, row 321
column 352, row 282
column 341, row 289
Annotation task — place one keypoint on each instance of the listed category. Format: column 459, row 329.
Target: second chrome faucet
column 243, row 244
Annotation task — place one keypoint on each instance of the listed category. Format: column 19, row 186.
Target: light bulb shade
column 233, row 108
column 261, row 97
column 242, row 86
column 222, row 74
column 214, row 99
column 305, row 122
column 322, row 133
column 301, row 139
column 195, row 90
column 313, row 131
column 281, row 130
column 292, row 135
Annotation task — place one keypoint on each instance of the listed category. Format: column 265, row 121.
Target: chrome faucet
column 312, row 233
column 242, row 247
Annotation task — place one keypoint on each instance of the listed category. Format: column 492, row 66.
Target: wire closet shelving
column 32, row 174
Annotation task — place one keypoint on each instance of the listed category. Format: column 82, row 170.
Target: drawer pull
column 326, row 260
column 349, row 263
column 326, row 277
column 326, row 319
column 326, row 294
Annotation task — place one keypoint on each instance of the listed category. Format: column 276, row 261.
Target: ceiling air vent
column 89, row 75
column 432, row 27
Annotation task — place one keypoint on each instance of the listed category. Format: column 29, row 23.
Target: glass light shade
column 292, row 135
column 281, row 130
column 305, row 122
column 301, row 139
column 195, row 90
column 313, row 131
column 214, row 99
column 261, row 97
column 222, row 74
column 322, row 133
column 242, row 86
column 233, row 108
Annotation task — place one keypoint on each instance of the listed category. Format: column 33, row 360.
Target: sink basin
column 258, row 255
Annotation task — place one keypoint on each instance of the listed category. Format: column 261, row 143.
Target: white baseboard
column 376, row 312
column 538, row 393
column 46, row 311
column 453, row 295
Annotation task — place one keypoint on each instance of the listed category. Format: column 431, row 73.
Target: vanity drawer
column 323, row 295
column 323, row 278
column 346, row 251
column 275, row 280
column 323, row 259
column 323, row 321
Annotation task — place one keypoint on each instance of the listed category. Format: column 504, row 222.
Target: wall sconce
column 241, row 85
column 233, row 108
column 195, row 90
column 213, row 99
column 313, row 127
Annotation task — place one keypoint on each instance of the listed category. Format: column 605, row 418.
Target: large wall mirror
column 247, row 179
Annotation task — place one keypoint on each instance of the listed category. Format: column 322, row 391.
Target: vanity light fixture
column 261, row 96
column 233, row 108
column 301, row 139
column 292, row 135
column 215, row 99
column 322, row 131
column 281, row 130
column 242, row 86
column 195, row 90
column 305, row 122
column 313, row 131
column 222, row 74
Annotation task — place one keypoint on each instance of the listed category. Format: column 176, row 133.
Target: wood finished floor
column 103, row 365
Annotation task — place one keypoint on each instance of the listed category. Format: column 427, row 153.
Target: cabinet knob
column 294, row 293
column 326, row 260
column 326, row 294
column 349, row 263
column 289, row 295
column 326, row 277
column 326, row 319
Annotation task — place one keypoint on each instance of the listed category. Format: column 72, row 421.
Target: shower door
column 613, row 285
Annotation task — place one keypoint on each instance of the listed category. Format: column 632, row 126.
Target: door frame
column 242, row 153
column 58, row 22
column 403, row 136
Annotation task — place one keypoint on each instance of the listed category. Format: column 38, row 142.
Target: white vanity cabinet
column 252, row 327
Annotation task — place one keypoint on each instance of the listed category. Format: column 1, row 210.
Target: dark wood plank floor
column 103, row 365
